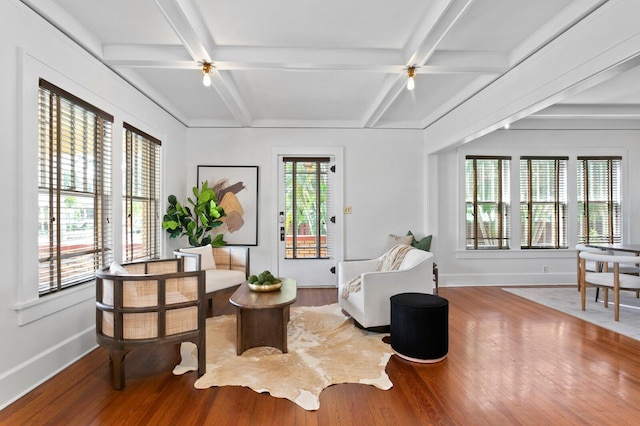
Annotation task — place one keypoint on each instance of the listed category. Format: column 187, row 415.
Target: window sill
column 34, row 310
column 516, row 254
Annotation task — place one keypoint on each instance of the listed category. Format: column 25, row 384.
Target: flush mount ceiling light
column 411, row 84
column 206, row 70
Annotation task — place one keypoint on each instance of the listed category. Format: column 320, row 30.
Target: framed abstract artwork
column 236, row 188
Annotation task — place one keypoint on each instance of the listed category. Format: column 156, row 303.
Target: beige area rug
column 567, row 300
column 325, row 348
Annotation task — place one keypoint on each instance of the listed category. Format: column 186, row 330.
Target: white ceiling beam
column 456, row 62
column 419, row 52
column 229, row 94
column 237, row 58
column 579, row 58
column 459, row 97
column 393, row 86
column 185, row 19
column 571, row 15
column 66, row 24
column 188, row 27
column 588, row 111
column 152, row 93
column 361, row 60
column 420, row 47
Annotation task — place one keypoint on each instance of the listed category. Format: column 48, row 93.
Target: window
column 487, row 202
column 599, row 200
column 306, row 206
column 543, row 202
column 74, row 189
column 141, row 189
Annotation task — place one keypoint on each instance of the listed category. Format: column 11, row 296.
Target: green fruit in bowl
column 253, row 279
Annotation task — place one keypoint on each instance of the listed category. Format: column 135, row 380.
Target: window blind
column 307, row 200
column 599, row 199
column 141, row 189
column 74, row 189
column 487, row 202
column 543, row 202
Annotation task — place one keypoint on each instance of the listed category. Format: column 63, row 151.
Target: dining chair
column 590, row 266
column 606, row 279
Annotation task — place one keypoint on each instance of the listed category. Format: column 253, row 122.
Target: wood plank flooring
column 511, row 361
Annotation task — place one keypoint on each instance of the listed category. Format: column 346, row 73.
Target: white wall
column 42, row 336
column 383, row 179
column 460, row 267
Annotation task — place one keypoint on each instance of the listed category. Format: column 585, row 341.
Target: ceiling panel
column 336, row 24
column 187, row 93
column 121, row 21
column 500, row 25
column 331, row 63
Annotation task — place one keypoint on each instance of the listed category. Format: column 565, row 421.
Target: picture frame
column 236, row 188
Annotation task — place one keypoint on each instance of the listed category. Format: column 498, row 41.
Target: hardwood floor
column 510, row 361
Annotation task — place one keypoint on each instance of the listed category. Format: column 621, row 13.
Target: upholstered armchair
column 148, row 303
column 225, row 267
column 370, row 307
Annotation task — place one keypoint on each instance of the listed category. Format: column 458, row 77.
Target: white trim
column 337, row 152
column 30, row 374
column 572, row 208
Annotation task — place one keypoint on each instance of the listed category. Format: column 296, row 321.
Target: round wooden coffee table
column 262, row 318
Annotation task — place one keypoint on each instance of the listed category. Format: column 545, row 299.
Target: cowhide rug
column 325, row 348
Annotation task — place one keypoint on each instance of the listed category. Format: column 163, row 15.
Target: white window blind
column 487, row 218
column 599, row 199
column 543, row 202
column 141, row 189
column 74, row 189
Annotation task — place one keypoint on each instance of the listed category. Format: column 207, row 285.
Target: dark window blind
column 543, row 202
column 141, row 189
column 599, row 199
column 74, row 189
column 487, row 199
column 307, row 195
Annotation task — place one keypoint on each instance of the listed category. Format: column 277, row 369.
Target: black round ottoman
column 420, row 327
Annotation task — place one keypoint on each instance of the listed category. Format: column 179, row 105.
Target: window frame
column 319, row 248
column 560, row 209
column 148, row 192
column 614, row 214
column 97, row 184
column 503, row 204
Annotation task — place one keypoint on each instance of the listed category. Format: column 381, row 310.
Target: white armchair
column 225, row 267
column 370, row 307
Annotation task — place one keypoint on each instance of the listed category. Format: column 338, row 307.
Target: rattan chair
column 146, row 304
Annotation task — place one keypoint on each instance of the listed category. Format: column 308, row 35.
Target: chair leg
column 606, row 297
column 597, row 293
column 117, row 364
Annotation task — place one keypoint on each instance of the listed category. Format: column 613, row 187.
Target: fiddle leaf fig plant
column 195, row 222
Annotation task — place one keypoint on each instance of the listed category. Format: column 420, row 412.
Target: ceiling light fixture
column 206, row 70
column 411, row 84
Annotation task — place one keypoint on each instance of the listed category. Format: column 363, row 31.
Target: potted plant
column 195, row 222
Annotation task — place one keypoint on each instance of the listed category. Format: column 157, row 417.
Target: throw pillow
column 117, row 269
column 206, row 256
column 423, row 244
column 394, row 240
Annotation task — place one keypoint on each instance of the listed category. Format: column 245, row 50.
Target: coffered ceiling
column 329, row 63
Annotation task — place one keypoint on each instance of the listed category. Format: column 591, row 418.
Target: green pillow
column 423, row 244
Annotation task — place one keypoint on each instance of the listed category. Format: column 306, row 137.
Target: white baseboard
column 25, row 377
column 504, row 280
